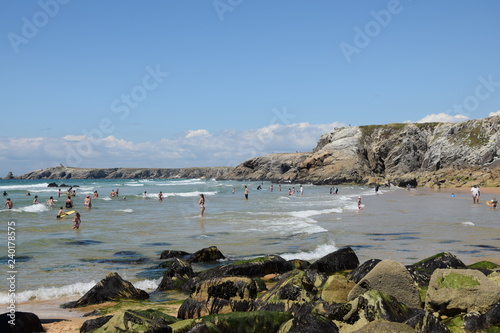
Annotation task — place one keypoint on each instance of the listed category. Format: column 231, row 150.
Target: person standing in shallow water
column 475, row 194
column 77, row 221
column 201, row 202
column 8, row 204
column 246, row 192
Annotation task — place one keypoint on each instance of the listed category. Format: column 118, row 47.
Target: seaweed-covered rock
column 339, row 260
column 308, row 323
column 372, row 305
column 111, row 288
column 241, row 322
column 24, row 322
column 220, row 295
column 257, row 267
column 359, row 272
column 208, row 254
column 91, row 325
column 379, row 326
column 293, row 292
column 421, row 271
column 168, row 254
column 455, row 291
column 176, row 276
column 424, row 321
column 392, row 278
column 147, row 321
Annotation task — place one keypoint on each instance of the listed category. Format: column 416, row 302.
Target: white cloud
column 194, row 148
column 200, row 132
column 494, row 114
column 442, row 118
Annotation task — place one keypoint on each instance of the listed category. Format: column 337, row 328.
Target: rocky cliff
column 428, row 154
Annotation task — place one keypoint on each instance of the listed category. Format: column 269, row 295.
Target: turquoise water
column 127, row 233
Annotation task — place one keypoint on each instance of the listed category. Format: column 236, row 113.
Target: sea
column 46, row 259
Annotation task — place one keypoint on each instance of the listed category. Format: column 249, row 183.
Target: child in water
column 60, row 212
column 77, row 221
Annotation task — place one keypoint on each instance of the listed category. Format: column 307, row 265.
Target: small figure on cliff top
column 475, row 192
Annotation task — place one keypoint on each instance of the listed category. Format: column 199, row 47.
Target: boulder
column 422, row 270
column 220, row 295
column 339, row 260
column 176, row 276
column 25, row 322
column 257, row 267
column 240, row 322
column 294, row 292
column 385, row 327
column 424, row 321
column 167, row 254
column 359, row 272
column 208, row 254
column 91, row 325
column 52, row 185
column 147, row 321
column 392, row 278
column 111, row 288
column 371, row 306
column 308, row 323
column 336, row 289
column 455, row 291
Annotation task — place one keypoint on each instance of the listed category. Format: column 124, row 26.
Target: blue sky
column 205, row 83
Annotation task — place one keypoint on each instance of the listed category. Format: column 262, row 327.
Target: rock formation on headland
column 427, row 154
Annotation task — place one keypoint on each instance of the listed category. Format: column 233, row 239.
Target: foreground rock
column 334, row 294
column 111, row 288
column 24, row 322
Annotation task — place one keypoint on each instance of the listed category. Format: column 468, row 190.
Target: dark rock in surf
column 359, row 272
column 25, row 322
column 52, row 185
column 421, row 271
column 208, row 254
column 176, row 276
column 111, row 288
column 339, row 260
column 168, row 254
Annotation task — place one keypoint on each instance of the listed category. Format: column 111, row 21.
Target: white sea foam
column 128, row 210
column 105, row 198
column 317, row 253
column 309, row 213
column 23, row 187
column 35, row 208
column 467, row 223
column 147, row 284
column 43, row 294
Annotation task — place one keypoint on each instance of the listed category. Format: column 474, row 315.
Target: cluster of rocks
column 332, row 294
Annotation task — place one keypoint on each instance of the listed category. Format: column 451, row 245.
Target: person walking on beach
column 77, row 221
column 246, row 192
column 69, row 202
column 201, row 202
column 8, row 204
column 87, row 202
column 475, row 194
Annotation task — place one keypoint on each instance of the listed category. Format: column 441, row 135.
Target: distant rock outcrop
column 426, row 154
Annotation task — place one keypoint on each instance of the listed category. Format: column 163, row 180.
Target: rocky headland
column 336, row 293
column 427, row 154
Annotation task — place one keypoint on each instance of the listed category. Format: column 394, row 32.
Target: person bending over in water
column 201, row 202
column 77, row 221
column 60, row 212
